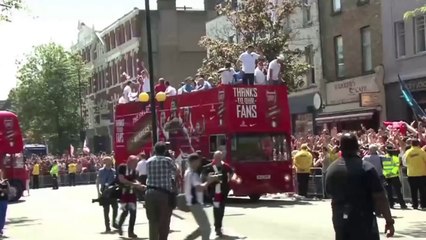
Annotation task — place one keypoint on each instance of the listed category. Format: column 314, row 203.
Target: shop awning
column 345, row 117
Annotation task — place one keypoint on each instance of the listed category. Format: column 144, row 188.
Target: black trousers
column 248, row 78
column 357, row 228
column 132, row 220
column 35, row 182
column 106, row 206
column 418, row 185
column 72, row 179
column 55, row 184
column 218, row 213
column 393, row 185
column 302, row 184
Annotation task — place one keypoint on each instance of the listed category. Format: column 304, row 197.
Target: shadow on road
column 416, row 230
column 22, row 221
column 227, row 237
column 139, row 238
column 247, row 203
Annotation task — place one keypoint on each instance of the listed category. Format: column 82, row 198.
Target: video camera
column 109, row 194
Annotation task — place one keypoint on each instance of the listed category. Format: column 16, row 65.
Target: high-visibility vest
column 391, row 166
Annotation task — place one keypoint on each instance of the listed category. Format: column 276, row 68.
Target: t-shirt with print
column 192, row 179
column 128, row 193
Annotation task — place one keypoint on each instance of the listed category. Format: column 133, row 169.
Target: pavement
column 68, row 213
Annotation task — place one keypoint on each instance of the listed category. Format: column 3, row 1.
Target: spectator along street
column 69, row 214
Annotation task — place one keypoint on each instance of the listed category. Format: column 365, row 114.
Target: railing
column 64, row 179
column 316, row 187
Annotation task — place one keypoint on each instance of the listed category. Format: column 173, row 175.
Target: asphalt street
column 68, row 213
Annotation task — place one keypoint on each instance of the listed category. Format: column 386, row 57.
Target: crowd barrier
column 64, row 179
column 316, row 187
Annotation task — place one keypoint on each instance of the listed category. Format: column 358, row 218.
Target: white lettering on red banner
column 119, row 135
column 246, row 102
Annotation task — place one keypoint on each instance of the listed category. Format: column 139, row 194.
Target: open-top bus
column 250, row 124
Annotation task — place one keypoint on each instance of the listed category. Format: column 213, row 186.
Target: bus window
column 260, row 148
column 217, row 142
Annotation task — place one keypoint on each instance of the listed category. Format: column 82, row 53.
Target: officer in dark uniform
column 356, row 192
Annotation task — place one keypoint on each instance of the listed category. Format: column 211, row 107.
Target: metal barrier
column 316, row 185
column 64, row 179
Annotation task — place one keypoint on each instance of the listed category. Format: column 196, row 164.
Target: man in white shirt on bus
column 248, row 62
column 259, row 74
column 170, row 90
column 227, row 74
column 274, row 70
column 127, row 91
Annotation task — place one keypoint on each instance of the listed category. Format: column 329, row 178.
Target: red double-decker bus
column 250, row 124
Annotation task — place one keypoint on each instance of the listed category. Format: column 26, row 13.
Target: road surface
column 68, row 213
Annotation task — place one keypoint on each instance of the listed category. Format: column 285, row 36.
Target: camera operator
column 106, row 177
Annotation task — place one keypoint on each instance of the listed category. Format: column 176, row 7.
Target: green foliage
column 46, row 98
column 261, row 24
column 415, row 12
column 7, row 7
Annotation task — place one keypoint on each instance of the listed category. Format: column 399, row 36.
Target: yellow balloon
column 143, row 97
column 160, row 97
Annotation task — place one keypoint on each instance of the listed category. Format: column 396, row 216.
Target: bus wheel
column 16, row 190
column 254, row 197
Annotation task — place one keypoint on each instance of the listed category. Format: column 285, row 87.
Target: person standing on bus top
column 274, row 70
column 170, row 90
column 72, row 170
column 159, row 193
column 160, row 86
column 36, row 174
column 259, row 75
column 106, row 177
column 127, row 91
column 248, row 62
column 303, row 161
column 54, row 172
column 4, row 199
column 415, row 160
column 129, row 185
column 357, row 195
column 226, row 74
column 220, row 189
column 202, row 84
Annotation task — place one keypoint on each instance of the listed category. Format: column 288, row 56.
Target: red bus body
column 11, row 147
column 251, row 125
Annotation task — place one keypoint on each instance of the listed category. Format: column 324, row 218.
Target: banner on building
column 409, row 99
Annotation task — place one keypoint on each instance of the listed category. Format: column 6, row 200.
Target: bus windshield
column 40, row 151
column 260, row 148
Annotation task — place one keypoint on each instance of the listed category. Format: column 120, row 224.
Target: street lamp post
column 151, row 70
column 160, row 97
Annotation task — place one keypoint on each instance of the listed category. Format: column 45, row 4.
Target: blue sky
column 57, row 20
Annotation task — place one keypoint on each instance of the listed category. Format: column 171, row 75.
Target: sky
column 47, row 21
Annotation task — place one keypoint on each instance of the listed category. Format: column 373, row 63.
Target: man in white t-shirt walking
column 194, row 194
column 274, row 70
column 248, row 62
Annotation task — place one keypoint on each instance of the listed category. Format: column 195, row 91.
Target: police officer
column 357, row 195
column 391, row 169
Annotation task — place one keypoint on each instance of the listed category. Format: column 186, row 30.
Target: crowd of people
column 255, row 70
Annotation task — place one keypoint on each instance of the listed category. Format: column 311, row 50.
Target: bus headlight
column 287, row 178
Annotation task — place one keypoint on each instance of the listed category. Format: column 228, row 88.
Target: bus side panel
column 262, row 178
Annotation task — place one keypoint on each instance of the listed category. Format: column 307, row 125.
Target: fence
column 316, row 187
column 80, row 179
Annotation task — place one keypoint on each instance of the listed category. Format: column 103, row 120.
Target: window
column 217, row 142
column 260, row 148
column 367, row 59
column 419, row 34
column 306, row 8
column 340, row 61
column 337, row 6
column 309, row 56
column 400, row 39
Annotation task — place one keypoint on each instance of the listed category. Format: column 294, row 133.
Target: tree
column 46, row 98
column 415, row 12
column 7, row 7
column 259, row 23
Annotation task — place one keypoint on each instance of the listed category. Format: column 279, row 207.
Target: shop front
column 352, row 103
column 302, row 113
column 398, row 109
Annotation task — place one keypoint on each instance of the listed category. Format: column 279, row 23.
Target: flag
column 71, row 150
column 409, row 99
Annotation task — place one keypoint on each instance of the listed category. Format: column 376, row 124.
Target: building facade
column 351, row 42
column 122, row 47
column 304, row 24
column 404, row 44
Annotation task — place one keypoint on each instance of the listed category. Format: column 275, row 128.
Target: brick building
column 351, row 42
column 121, row 47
